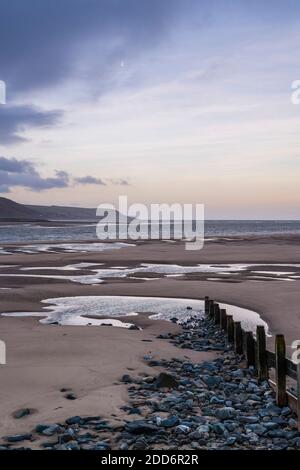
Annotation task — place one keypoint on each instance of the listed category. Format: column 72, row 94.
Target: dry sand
column 90, row 361
column 42, row 359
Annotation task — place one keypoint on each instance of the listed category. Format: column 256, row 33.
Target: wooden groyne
column 254, row 348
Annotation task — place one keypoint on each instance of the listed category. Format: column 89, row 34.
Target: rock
column 203, row 429
column 51, row 430
column 211, row 381
column 230, row 441
column 182, row 428
column 133, row 327
column 67, row 436
column 295, row 442
column 256, row 428
column 248, row 419
column 126, row 379
column 286, row 411
column 174, row 320
column 123, row 446
column 134, row 411
column 102, row 445
column 217, row 401
column 73, row 445
column 103, row 427
column 218, row 428
column 74, row 420
column 270, row 425
column 170, row 422
column 70, row 396
column 165, row 380
column 140, row 427
column 22, row 412
column 273, row 410
column 18, row 437
column 226, row 412
column 140, row 444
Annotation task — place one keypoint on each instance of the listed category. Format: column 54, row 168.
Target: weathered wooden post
column 262, row 366
column 238, row 337
column 206, row 305
column 250, row 349
column 211, row 308
column 223, row 319
column 230, row 329
column 281, row 397
column 217, row 314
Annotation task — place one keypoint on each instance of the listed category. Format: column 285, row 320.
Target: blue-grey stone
column 226, row 412
column 18, row 437
column 230, row 441
column 211, row 381
column 140, row 427
column 170, row 422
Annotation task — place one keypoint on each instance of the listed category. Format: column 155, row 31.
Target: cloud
column 89, row 180
column 42, row 44
column 101, row 181
column 119, row 181
column 14, row 172
column 16, row 119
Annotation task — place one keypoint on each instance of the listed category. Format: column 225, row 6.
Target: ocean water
column 30, row 232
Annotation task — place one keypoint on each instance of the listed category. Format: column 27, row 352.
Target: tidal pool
column 74, row 310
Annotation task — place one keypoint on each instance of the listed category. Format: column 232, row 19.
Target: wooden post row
column 238, row 337
column 223, row 319
column 230, row 329
column 217, row 314
column 250, row 349
column 206, row 305
column 211, row 308
column 281, row 396
column 262, row 366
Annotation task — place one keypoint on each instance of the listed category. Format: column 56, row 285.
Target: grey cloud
column 119, row 182
column 42, row 42
column 15, row 119
column 15, row 172
column 89, row 180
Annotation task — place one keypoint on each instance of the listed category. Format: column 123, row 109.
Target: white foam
column 66, row 247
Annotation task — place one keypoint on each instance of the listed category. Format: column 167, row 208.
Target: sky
column 163, row 101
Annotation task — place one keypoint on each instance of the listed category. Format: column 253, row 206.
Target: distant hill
column 63, row 212
column 10, row 210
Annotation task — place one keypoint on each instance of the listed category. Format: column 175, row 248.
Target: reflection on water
column 73, row 310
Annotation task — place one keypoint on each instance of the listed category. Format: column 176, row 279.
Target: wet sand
column 90, row 361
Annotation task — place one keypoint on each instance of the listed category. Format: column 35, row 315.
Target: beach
column 44, row 359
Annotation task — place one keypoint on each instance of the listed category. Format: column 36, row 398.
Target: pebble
column 18, row 437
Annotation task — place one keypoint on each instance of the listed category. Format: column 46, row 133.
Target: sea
column 75, row 231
